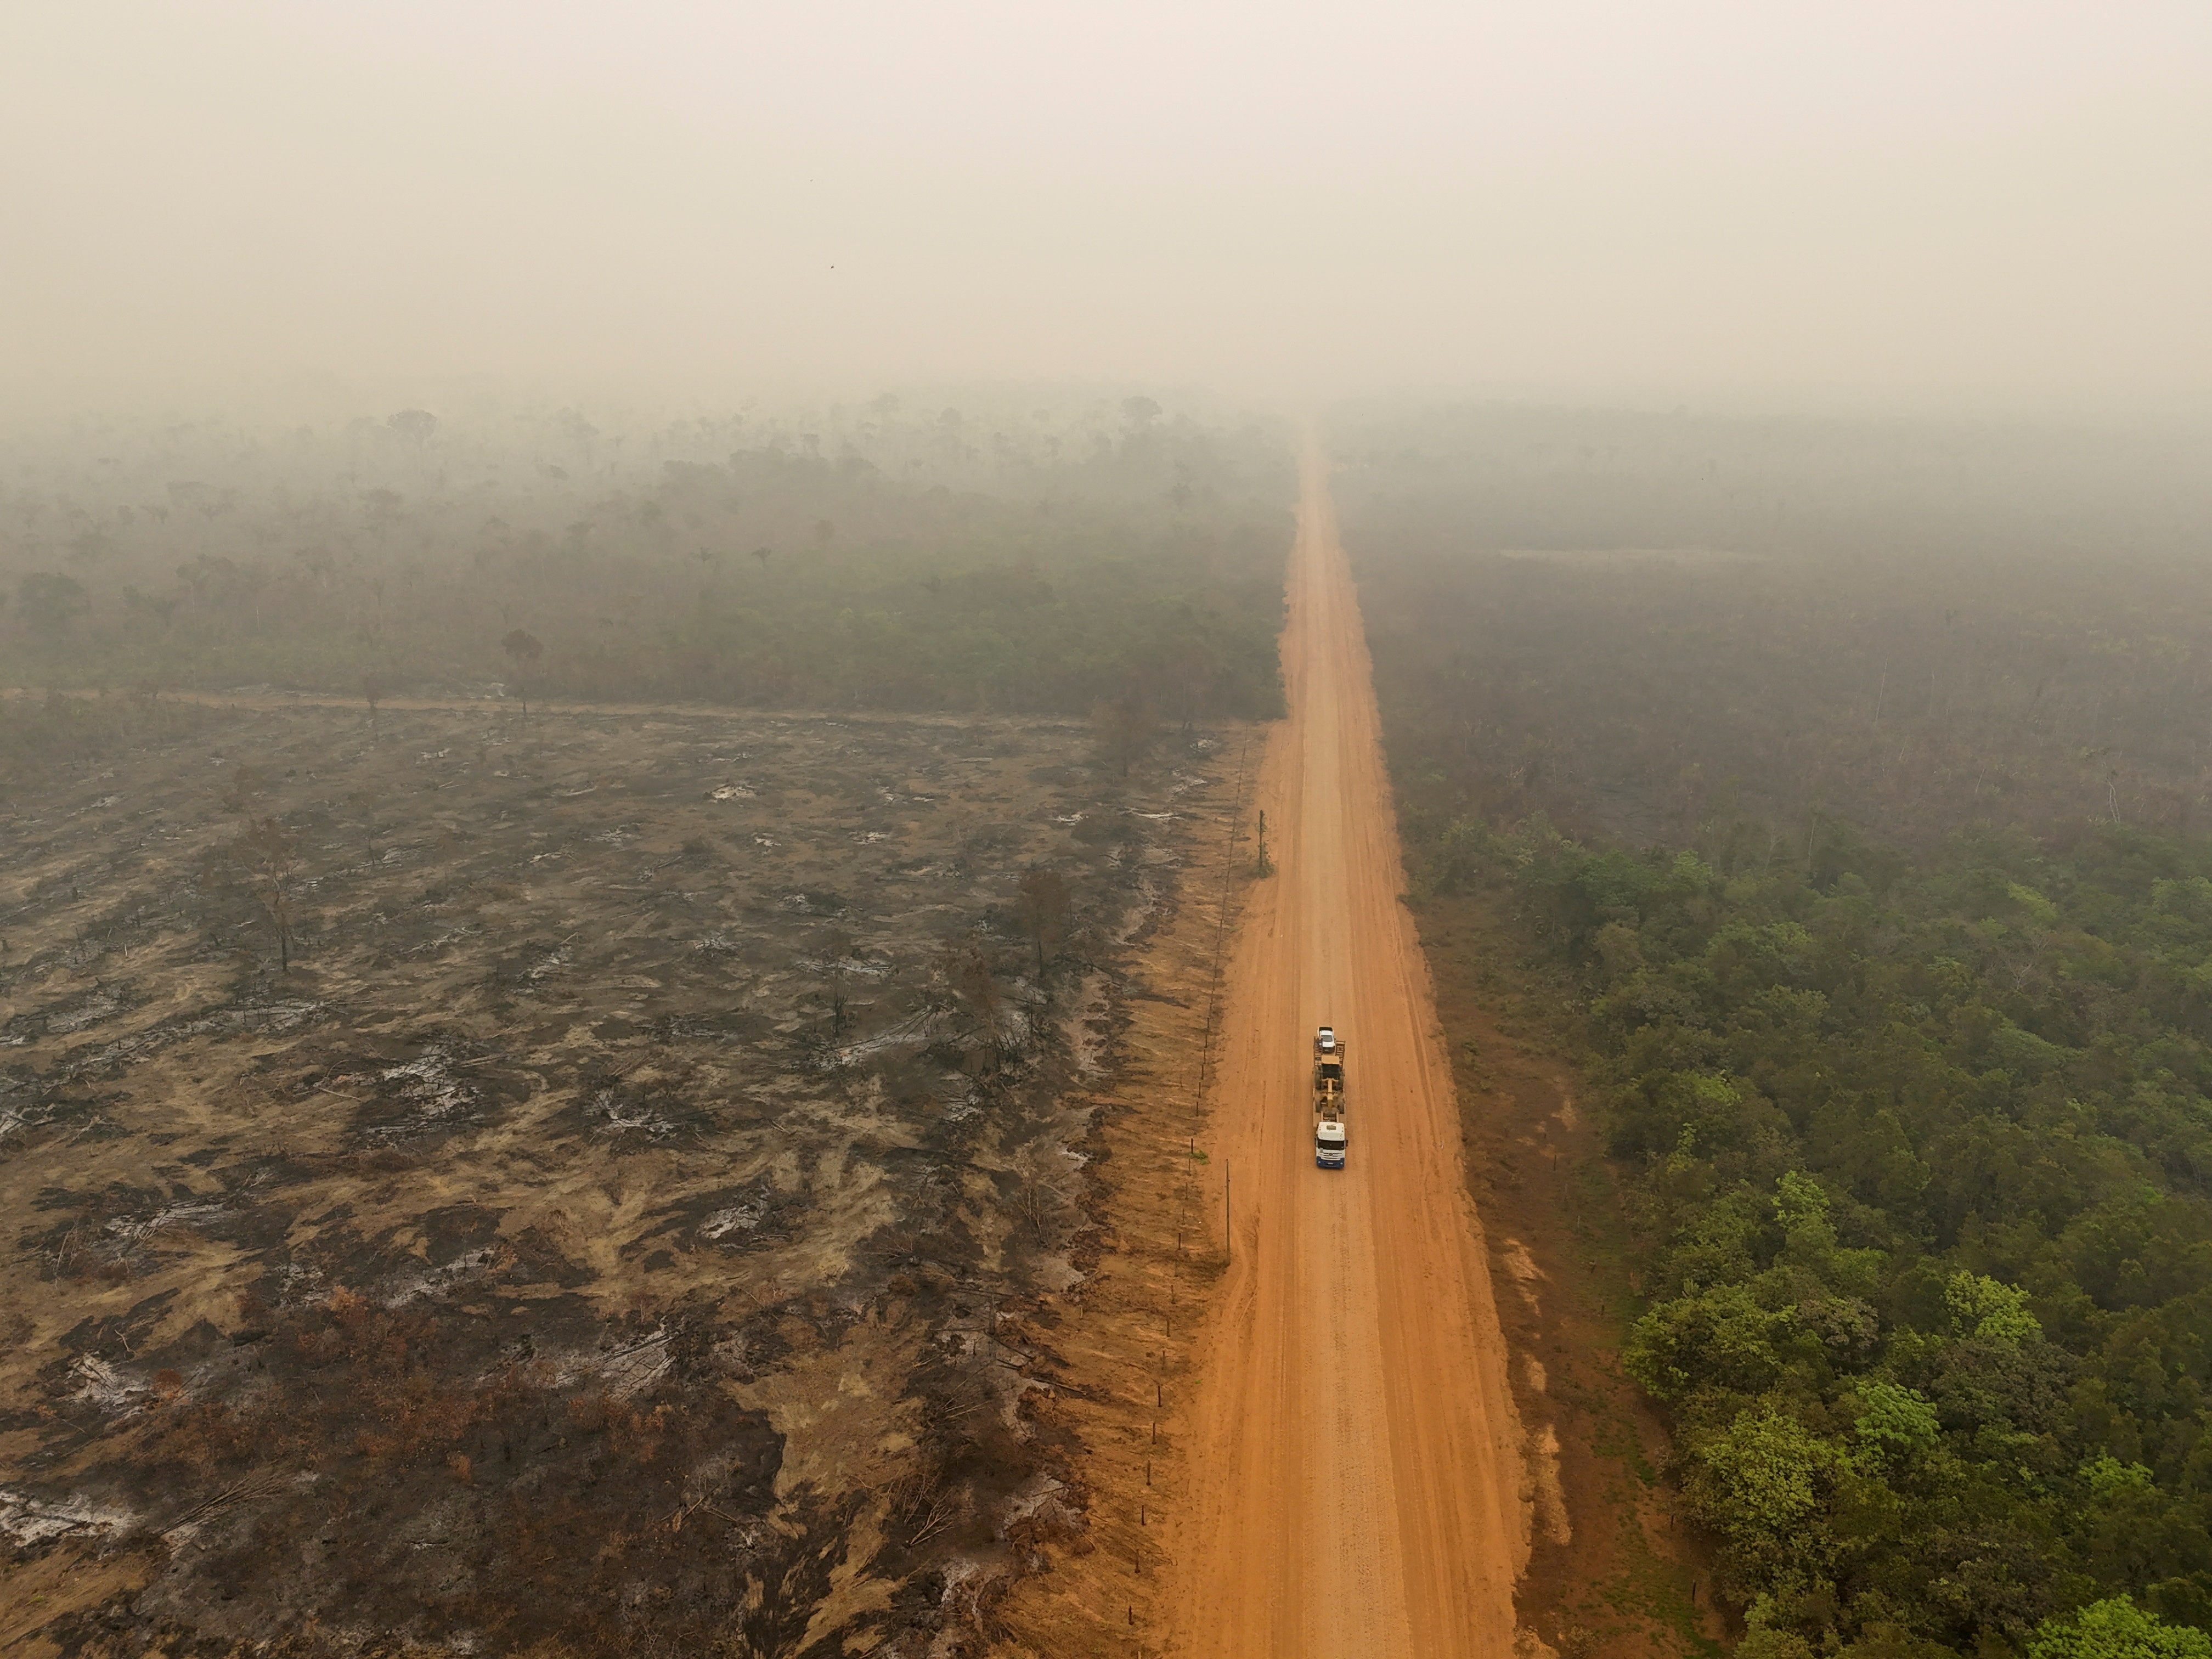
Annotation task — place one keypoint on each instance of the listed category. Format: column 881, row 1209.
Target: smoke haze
column 1978, row 204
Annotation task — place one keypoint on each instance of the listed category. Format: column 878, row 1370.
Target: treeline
column 1910, row 1074
column 1114, row 553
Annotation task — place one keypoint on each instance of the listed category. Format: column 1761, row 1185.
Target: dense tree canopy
column 1916, row 1105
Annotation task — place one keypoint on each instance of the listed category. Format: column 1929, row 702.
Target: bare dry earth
column 637, row 1223
column 1127, row 1347
column 1357, row 1482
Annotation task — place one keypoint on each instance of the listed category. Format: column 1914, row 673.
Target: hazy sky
column 1986, row 199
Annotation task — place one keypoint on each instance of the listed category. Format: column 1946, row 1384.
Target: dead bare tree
column 1044, row 904
column 270, row 858
column 971, row 978
column 1038, row 1203
column 834, row 1000
column 945, row 1508
column 923, row 1502
column 374, row 688
column 523, row 648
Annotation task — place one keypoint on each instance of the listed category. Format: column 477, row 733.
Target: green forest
column 1041, row 560
column 1852, row 801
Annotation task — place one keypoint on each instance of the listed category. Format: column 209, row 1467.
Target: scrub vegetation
column 1042, row 561
column 1848, row 786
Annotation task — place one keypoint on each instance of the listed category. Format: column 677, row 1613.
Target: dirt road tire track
column 1357, row 1488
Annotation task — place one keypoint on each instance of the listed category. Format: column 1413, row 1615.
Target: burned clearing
column 601, row 1184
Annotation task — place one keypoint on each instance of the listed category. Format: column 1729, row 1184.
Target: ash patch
column 729, row 1220
column 631, row 1119
column 419, row 1095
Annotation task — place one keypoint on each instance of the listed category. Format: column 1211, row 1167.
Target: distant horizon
column 1978, row 207
column 321, row 398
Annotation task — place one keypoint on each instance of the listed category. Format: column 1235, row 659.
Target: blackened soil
column 628, row 1223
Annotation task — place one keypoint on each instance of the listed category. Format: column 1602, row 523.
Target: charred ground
column 636, row 1218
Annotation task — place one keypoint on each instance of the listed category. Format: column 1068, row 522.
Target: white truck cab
column 1329, row 1142
column 1325, row 1041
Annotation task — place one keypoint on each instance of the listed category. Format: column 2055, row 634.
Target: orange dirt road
column 1354, row 1447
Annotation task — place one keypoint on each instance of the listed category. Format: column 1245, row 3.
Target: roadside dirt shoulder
column 1611, row 1572
column 1126, row 1346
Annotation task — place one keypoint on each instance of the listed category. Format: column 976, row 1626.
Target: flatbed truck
column 1328, row 1098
